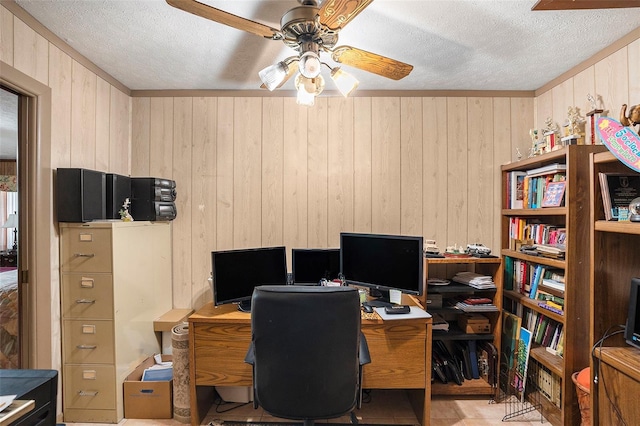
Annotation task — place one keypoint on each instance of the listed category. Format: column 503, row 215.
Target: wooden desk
column 219, row 338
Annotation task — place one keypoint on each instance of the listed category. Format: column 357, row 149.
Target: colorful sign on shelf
column 622, row 141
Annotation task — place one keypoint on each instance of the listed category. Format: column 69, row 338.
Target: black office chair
column 307, row 351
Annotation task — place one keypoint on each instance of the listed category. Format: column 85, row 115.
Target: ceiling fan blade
column 335, row 14
column 226, row 18
column 583, row 4
column 293, row 68
column 371, row 62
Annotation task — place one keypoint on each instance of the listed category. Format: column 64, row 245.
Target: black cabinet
column 39, row 385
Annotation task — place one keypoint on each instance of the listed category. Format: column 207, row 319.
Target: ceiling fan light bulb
column 310, row 64
column 273, row 75
column 305, row 98
column 345, row 82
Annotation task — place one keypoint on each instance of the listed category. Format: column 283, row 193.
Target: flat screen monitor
column 383, row 262
column 309, row 266
column 632, row 330
column 236, row 273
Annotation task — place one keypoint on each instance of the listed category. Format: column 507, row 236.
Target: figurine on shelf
column 634, row 116
column 124, row 212
column 536, row 143
column 550, row 133
column 573, row 133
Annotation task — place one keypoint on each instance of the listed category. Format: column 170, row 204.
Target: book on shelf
column 554, row 284
column 554, row 194
column 617, row 192
column 554, row 168
column 522, row 362
column 439, row 323
column 515, row 193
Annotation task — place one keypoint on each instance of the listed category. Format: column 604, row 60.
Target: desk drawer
column 88, row 341
column 219, row 353
column 398, row 355
column 90, row 387
column 87, row 296
column 85, row 250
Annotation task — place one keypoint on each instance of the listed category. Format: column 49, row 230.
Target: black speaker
column 80, row 195
column 118, row 190
column 153, row 199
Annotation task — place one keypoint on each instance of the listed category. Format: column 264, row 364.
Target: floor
column 384, row 407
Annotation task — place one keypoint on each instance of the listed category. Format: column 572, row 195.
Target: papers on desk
column 6, row 400
column 414, row 314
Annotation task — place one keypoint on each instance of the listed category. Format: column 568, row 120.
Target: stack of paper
column 482, row 282
column 161, row 371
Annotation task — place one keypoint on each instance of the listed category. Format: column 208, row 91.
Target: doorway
column 12, row 316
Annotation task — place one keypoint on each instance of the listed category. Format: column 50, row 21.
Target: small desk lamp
column 12, row 222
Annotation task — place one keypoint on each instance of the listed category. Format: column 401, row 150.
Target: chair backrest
column 305, row 342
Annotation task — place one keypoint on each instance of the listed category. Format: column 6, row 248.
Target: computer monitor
column 236, row 273
column 309, row 266
column 383, row 262
column 632, row 330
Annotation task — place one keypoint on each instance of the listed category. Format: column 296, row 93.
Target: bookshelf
column 572, row 222
column 614, row 260
column 447, row 268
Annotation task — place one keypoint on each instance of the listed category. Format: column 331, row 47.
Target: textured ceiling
column 453, row 45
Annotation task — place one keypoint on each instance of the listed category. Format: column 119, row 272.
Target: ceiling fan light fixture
column 345, row 82
column 308, row 89
column 310, row 64
column 273, row 75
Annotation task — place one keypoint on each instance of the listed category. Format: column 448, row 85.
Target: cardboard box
column 474, row 323
column 147, row 400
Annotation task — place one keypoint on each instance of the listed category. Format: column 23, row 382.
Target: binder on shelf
column 473, row 359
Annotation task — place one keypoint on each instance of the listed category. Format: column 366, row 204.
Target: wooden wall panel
column 247, row 173
column 295, row 175
column 612, row 82
column 562, row 98
column 340, row 169
column 435, row 169
column 317, row 165
column 634, row 73
column 6, row 36
column 272, row 172
column 103, row 108
column 224, row 181
column 60, row 83
column 119, row 133
column 362, row 175
column 457, row 172
column 182, row 226
column 83, row 117
column 481, row 170
column 30, row 52
column 161, row 138
column 203, row 196
column 504, row 151
column 385, row 165
column 584, row 84
column 411, row 166
column 140, row 136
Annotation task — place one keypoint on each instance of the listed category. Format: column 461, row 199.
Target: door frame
column 37, row 236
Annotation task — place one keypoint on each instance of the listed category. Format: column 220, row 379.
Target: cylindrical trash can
column 582, row 380
column 180, row 348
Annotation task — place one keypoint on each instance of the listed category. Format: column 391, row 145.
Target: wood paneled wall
column 265, row 171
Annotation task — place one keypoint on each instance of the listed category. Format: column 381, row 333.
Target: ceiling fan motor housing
column 300, row 25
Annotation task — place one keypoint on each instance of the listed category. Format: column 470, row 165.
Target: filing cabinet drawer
column 85, row 250
column 88, row 341
column 87, row 296
column 90, row 386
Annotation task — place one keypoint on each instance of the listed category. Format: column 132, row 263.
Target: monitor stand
column 245, row 306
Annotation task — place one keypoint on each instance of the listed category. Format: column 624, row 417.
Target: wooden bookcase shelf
column 447, row 268
column 575, row 319
column 614, row 260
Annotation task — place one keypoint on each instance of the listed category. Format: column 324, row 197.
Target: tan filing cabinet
column 115, row 279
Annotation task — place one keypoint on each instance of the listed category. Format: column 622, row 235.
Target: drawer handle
column 87, row 393
column 86, row 301
column 86, row 346
column 84, row 254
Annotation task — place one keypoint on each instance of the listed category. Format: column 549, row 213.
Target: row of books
column 528, row 189
column 465, row 360
column 538, row 233
column 546, row 332
column 472, row 279
column 472, row 304
column 528, row 277
column 618, row 190
column 549, row 385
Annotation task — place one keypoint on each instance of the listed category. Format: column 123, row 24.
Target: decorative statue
column 634, row 115
column 574, row 120
column 124, row 212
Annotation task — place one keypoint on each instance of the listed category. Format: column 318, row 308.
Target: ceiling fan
column 583, row 4
column 309, row 29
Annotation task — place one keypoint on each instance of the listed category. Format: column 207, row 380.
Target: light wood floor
column 386, row 407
